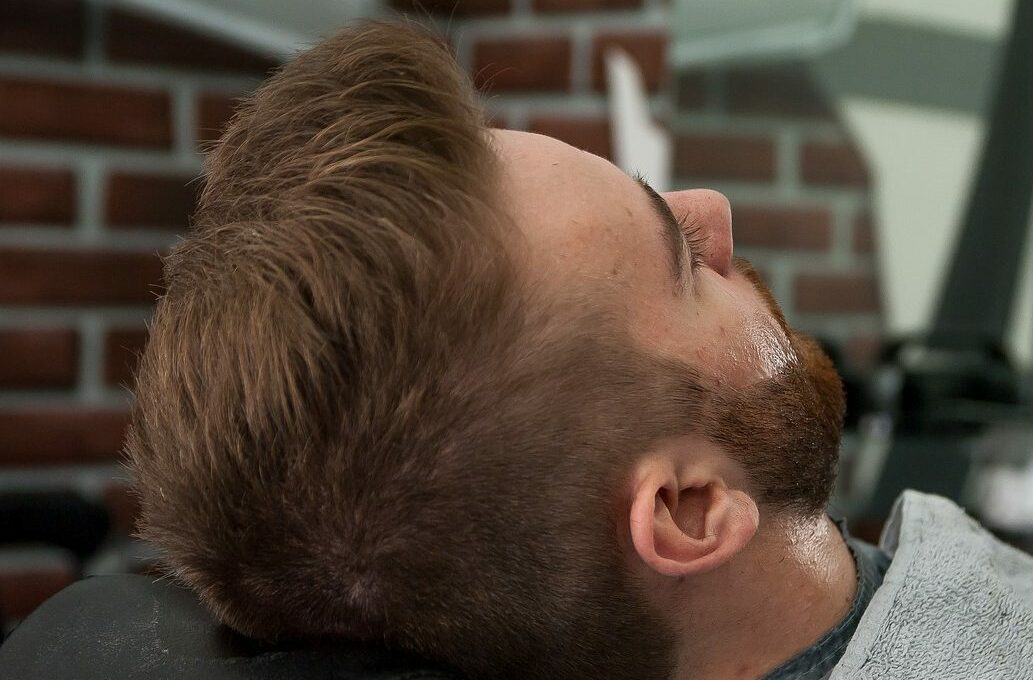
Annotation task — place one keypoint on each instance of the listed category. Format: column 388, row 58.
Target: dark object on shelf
column 60, row 518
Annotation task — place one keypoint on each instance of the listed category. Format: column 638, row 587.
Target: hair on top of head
column 352, row 421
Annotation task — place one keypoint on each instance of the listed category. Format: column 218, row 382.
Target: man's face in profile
column 669, row 261
column 585, row 219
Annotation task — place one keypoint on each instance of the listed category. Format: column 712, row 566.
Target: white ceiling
column 988, row 18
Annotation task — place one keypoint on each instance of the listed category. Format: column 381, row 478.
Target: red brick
column 151, row 200
column 96, row 114
column 53, row 28
column 782, row 91
column 78, row 277
column 550, row 6
column 782, row 228
column 837, row 293
column 522, row 63
column 590, row 134
column 37, row 196
column 707, row 156
column 648, row 49
column 213, row 113
column 864, row 234
column 121, row 353
column 863, row 350
column 833, row 164
column 61, row 436
column 133, row 38
column 452, row 8
column 38, row 358
column 23, row 590
column 124, row 508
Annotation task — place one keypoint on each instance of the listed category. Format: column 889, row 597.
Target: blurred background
column 877, row 155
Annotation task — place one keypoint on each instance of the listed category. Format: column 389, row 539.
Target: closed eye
column 678, row 234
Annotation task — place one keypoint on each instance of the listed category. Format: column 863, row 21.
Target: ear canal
column 693, row 510
column 667, row 498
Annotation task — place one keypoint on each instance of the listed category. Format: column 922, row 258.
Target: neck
column 792, row 584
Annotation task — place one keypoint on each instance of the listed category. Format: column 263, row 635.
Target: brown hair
column 352, row 419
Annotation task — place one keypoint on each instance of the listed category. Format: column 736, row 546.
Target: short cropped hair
column 355, row 419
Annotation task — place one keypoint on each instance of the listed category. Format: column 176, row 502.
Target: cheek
column 771, row 349
column 737, row 346
column 718, row 350
column 727, row 333
column 733, row 358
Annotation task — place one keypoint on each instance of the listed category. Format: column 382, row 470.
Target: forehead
column 580, row 215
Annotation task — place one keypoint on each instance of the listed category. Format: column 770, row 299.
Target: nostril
column 721, row 258
column 719, row 222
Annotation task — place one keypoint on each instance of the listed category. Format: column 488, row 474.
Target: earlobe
column 688, row 527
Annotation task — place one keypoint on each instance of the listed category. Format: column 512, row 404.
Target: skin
column 746, row 589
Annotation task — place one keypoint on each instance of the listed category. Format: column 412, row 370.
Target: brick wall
column 102, row 114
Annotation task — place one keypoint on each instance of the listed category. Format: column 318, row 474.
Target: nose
column 711, row 212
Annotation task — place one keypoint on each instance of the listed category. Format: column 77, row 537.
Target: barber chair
column 134, row 627
column 936, row 401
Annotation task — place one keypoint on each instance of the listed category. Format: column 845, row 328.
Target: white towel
column 956, row 603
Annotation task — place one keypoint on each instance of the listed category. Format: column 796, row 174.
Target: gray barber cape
column 955, row 603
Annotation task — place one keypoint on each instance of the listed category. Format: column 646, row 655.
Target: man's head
column 458, row 390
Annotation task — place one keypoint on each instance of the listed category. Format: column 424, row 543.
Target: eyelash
column 691, row 229
column 695, row 238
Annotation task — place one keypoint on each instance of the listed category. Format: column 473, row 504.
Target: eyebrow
column 671, row 234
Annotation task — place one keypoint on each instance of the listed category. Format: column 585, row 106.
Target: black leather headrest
column 132, row 627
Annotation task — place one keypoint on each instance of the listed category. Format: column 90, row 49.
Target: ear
column 686, row 521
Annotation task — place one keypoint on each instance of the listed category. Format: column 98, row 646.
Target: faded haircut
column 355, row 420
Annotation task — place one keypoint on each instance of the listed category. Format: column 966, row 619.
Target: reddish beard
column 786, row 429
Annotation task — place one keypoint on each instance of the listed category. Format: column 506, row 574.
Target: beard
column 784, row 431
